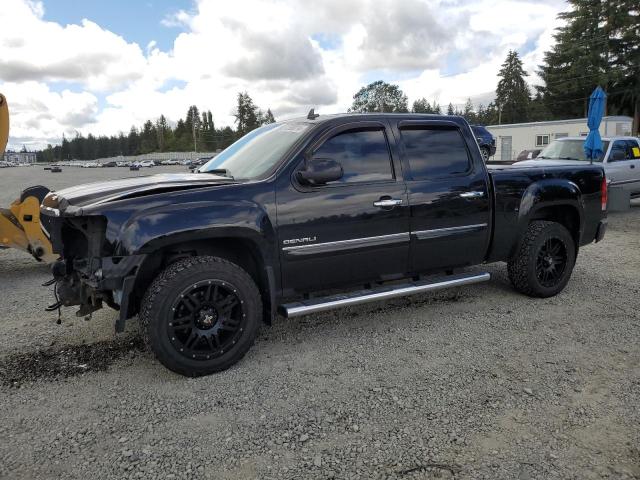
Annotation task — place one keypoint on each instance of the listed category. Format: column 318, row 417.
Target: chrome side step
column 313, row 305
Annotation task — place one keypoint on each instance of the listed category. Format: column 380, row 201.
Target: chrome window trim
column 352, row 243
column 443, row 232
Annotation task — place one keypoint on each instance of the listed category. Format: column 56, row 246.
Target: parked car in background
column 485, row 140
column 621, row 159
column 110, row 164
column 134, row 166
column 528, row 154
column 195, row 164
column 146, row 164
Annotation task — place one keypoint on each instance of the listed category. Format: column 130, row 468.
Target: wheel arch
column 555, row 200
column 244, row 251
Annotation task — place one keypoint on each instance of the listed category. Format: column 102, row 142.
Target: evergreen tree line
column 195, row 132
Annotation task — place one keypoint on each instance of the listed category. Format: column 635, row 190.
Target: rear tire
column 544, row 262
column 201, row 315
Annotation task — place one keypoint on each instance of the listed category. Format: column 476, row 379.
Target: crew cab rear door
column 449, row 196
column 353, row 230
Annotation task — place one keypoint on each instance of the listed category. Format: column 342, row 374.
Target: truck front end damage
column 87, row 274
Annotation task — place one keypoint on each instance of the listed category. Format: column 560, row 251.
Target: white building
column 20, row 157
column 514, row 138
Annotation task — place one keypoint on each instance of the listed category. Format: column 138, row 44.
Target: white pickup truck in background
column 621, row 159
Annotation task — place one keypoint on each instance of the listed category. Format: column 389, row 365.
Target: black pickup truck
column 372, row 206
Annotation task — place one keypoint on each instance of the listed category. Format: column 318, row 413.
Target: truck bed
column 518, row 189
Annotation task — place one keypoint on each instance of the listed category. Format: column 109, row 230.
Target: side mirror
column 319, row 171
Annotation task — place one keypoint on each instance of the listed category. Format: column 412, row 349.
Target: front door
column 448, row 194
column 349, row 231
column 623, row 165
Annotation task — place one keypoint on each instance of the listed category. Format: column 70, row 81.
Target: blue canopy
column 593, row 142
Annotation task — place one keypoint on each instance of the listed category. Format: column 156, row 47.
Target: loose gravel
column 472, row 383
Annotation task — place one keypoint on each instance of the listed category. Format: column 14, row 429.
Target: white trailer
column 511, row 139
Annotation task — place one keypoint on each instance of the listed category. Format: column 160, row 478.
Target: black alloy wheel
column 543, row 264
column 551, row 262
column 207, row 319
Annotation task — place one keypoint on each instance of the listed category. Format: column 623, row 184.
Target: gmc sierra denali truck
column 372, row 206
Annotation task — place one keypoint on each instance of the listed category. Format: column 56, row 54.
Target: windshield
column 257, row 152
column 568, row 150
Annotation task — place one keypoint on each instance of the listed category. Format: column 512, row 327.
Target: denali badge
column 293, row 241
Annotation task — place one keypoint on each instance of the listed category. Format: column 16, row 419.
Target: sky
column 95, row 66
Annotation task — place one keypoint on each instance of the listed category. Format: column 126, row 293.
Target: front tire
column 485, row 154
column 544, row 262
column 201, row 315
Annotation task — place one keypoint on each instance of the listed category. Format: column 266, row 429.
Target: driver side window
column 363, row 154
column 618, row 152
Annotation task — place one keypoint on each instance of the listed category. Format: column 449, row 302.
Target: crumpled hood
column 100, row 192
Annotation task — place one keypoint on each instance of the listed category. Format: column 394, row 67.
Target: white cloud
column 40, row 115
column 38, row 50
column 289, row 55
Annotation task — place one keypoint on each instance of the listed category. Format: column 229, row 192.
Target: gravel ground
column 477, row 383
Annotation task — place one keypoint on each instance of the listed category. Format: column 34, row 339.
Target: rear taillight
column 603, row 193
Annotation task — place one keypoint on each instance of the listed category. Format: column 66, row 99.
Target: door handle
column 387, row 202
column 472, row 194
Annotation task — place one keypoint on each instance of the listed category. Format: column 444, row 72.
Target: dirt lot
column 472, row 383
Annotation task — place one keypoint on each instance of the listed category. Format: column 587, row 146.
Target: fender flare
column 552, row 192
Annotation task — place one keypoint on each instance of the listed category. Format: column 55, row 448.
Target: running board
column 314, row 305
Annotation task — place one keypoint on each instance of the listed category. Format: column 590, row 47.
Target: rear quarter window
column 435, row 152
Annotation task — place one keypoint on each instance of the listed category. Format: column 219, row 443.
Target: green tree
column 133, row 142
column 380, row 97
column 468, row 113
column 268, row 117
column 162, row 133
column 65, row 148
column 598, row 44
column 421, row 105
column 577, row 61
column 450, row 110
column 624, row 61
column 512, row 93
column 148, row 138
column 246, row 115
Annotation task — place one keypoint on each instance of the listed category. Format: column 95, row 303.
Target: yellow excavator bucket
column 4, row 123
column 20, row 223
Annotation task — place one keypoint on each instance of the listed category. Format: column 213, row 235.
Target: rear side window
column 363, row 154
column 434, row 152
